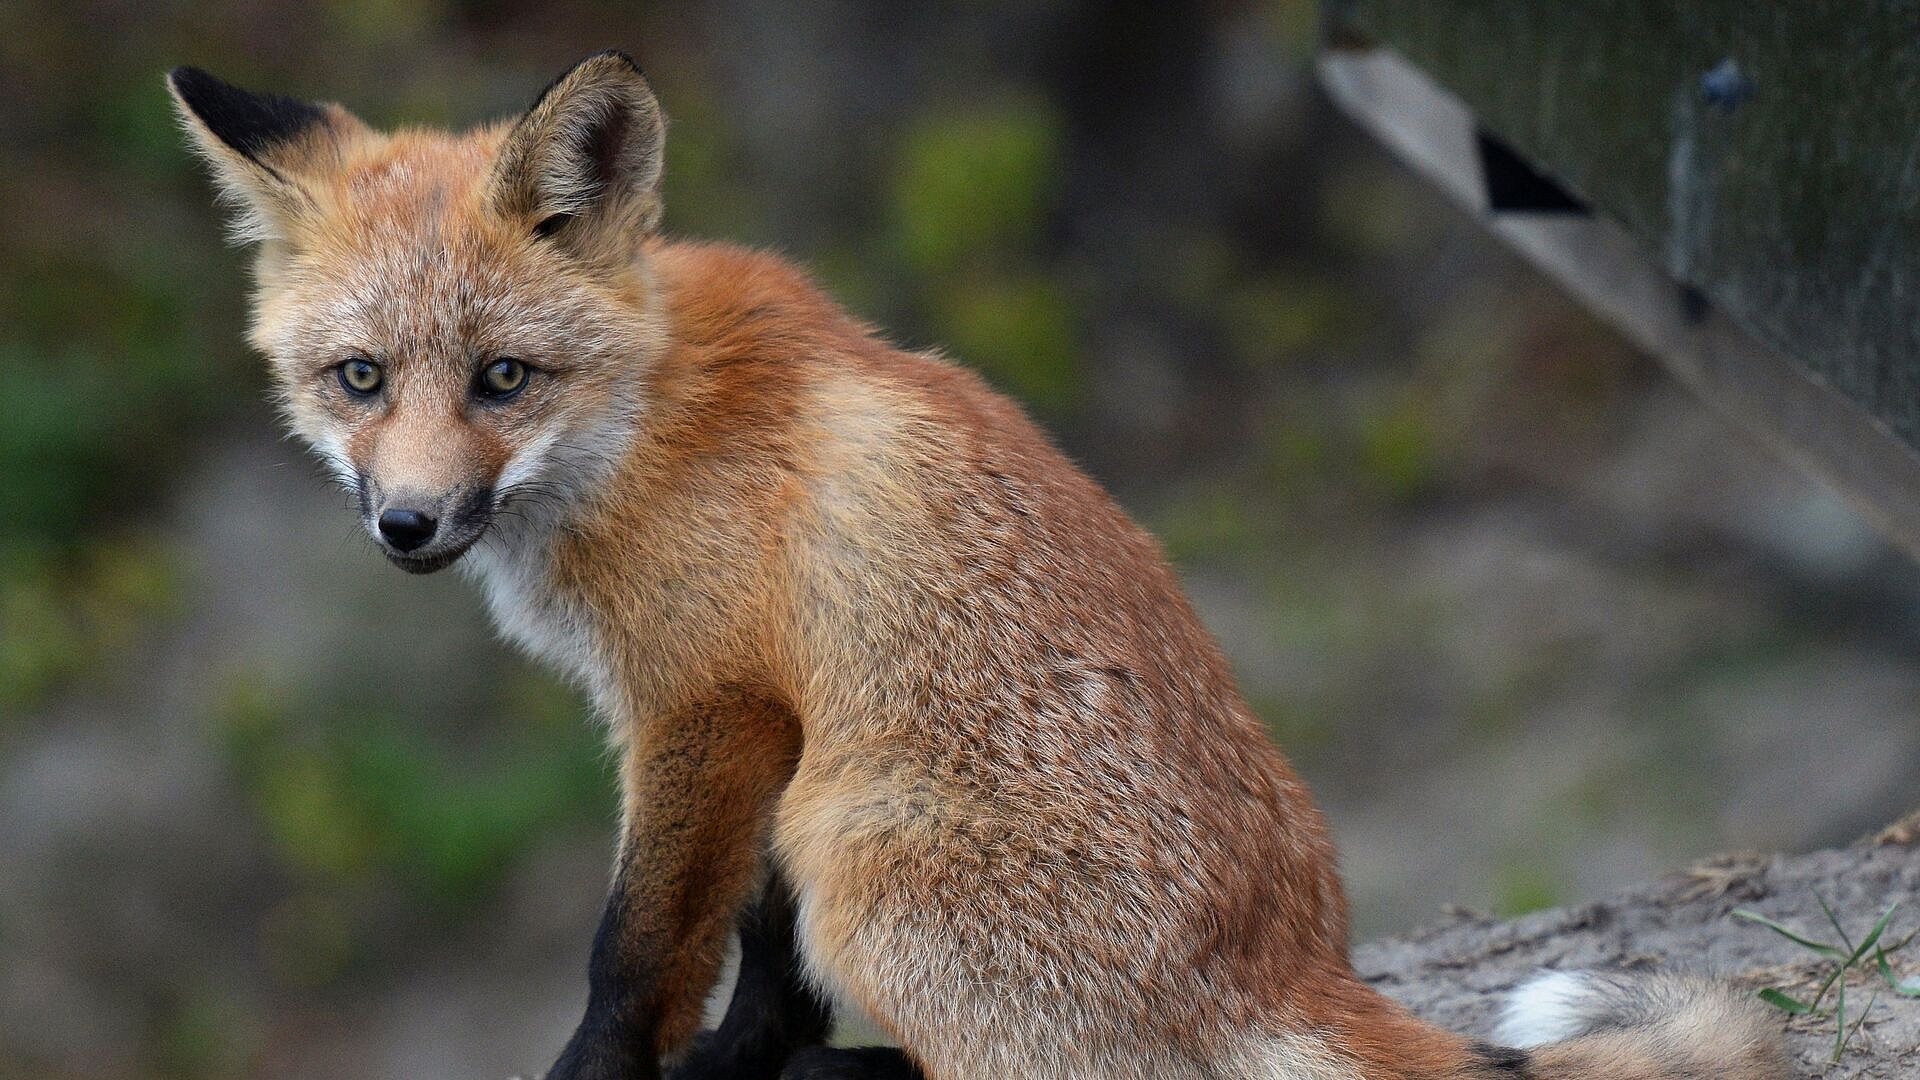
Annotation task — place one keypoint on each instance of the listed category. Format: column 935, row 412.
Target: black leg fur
column 608, row 1044
column 773, row 1012
column 862, row 1063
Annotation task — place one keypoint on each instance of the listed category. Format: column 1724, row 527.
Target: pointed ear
column 261, row 148
column 583, row 165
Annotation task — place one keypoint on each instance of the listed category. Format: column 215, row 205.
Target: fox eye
column 361, row 377
column 502, row 379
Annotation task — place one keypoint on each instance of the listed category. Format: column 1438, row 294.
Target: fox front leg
column 853, row 1063
column 777, row 1022
column 699, row 787
column 774, row 1011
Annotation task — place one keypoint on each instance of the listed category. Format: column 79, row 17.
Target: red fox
column 903, row 700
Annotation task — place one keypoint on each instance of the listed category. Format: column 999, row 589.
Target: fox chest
column 548, row 625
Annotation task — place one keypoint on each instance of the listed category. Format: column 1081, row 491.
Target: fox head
column 458, row 324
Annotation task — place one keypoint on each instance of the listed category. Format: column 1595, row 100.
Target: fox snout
column 427, row 473
column 405, row 530
column 421, row 533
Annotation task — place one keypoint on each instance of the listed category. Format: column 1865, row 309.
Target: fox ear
column 261, row 147
column 583, row 166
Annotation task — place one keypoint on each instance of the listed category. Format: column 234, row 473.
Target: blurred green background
column 1532, row 622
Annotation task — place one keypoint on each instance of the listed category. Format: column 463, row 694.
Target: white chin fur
column 1545, row 1009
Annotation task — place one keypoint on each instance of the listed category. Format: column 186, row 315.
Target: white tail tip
column 1548, row 1008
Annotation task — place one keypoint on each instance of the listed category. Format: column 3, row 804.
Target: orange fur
column 843, row 606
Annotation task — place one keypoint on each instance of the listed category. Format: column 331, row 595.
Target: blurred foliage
column 1278, row 317
column 349, row 791
column 970, row 197
column 1020, row 330
column 202, row 1035
column 975, row 187
column 1526, row 884
column 115, row 337
column 66, row 611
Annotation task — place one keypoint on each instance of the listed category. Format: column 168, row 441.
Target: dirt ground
column 1455, row 973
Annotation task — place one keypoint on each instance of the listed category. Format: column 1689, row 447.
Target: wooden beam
column 1828, row 433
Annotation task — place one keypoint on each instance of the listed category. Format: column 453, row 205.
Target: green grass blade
column 1873, row 935
column 1855, row 1030
column 1908, row 987
column 1784, row 1002
column 1834, row 919
column 1827, row 984
column 1820, row 947
column 1840, row 1021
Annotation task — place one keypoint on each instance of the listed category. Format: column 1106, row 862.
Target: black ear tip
column 202, row 89
column 187, row 80
column 246, row 121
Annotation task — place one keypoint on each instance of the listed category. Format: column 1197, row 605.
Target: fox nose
column 406, row 529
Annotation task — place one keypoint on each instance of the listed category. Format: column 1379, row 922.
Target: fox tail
column 1588, row 1026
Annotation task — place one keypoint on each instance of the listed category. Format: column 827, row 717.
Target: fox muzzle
column 422, row 533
